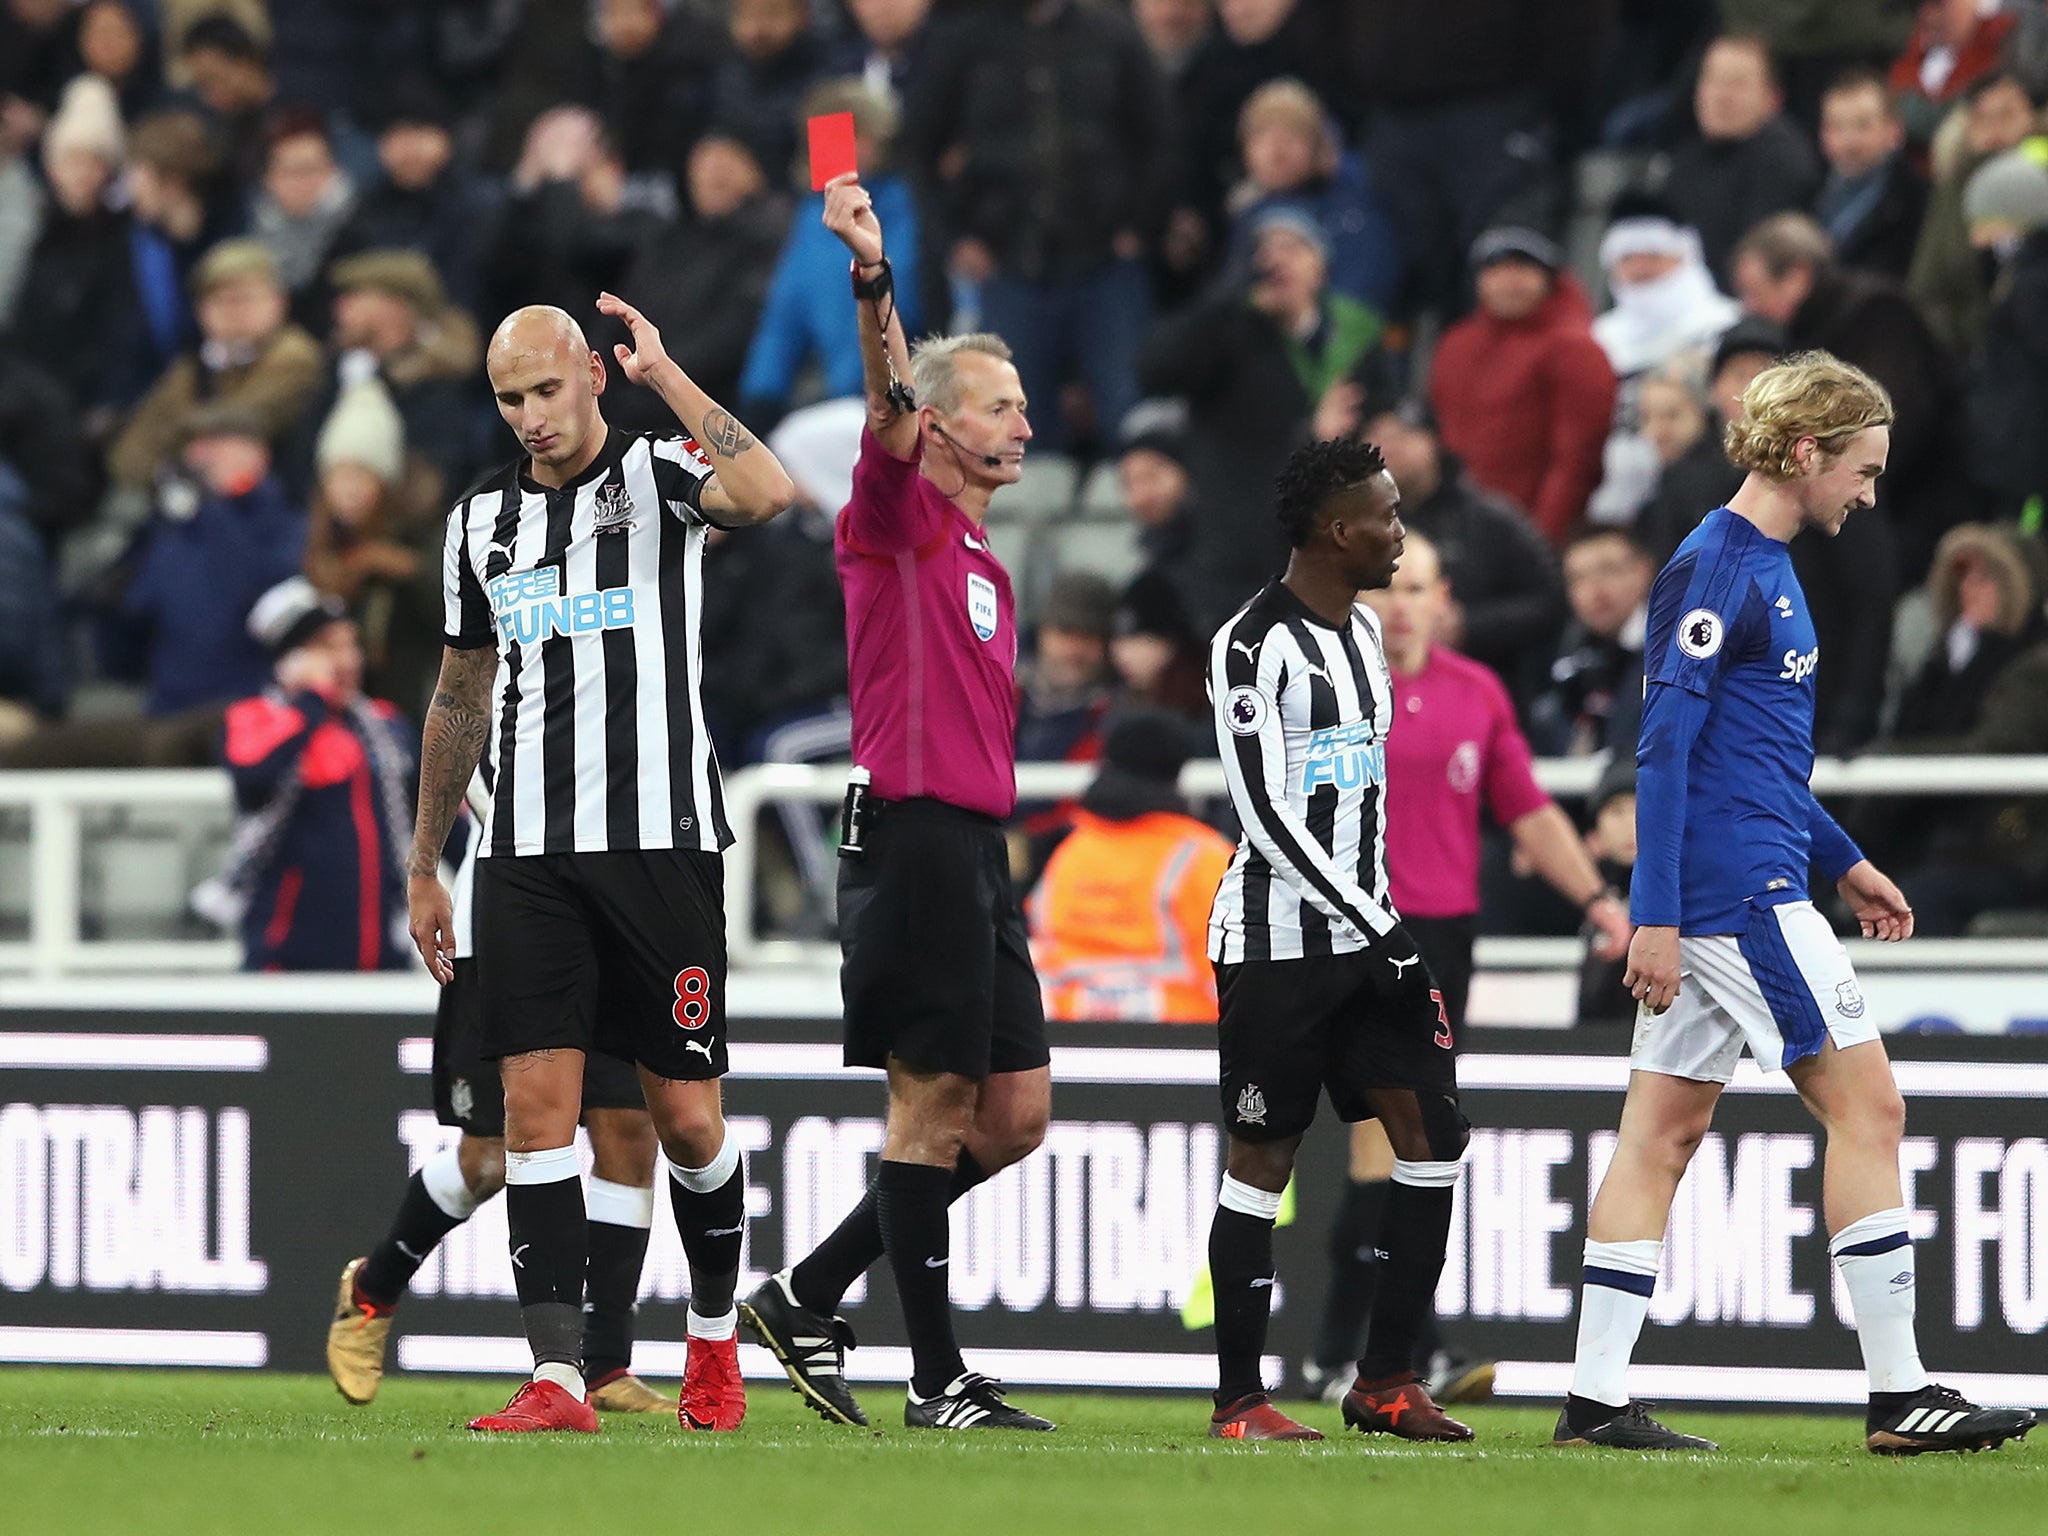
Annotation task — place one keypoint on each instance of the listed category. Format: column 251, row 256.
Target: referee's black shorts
column 620, row 952
column 936, row 967
column 468, row 1093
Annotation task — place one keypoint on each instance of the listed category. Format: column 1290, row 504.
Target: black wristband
column 1606, row 892
column 875, row 288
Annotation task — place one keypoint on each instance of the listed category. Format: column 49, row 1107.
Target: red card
column 832, row 151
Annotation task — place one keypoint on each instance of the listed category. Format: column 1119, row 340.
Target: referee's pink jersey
column 1454, row 739
column 931, row 641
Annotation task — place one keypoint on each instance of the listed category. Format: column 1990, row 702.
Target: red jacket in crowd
column 1527, row 404
column 1978, row 55
column 326, row 889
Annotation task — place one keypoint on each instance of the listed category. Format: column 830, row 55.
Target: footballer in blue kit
column 1729, row 951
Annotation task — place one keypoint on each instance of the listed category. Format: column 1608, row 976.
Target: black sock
column 611, row 1289
column 549, row 1252
column 712, row 1224
column 911, row 1201
column 1241, row 1270
column 1417, row 1225
column 853, row 1247
column 1354, row 1271
column 415, row 1232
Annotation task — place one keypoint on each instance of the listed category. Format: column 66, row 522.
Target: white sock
column 567, row 1377
column 715, row 1328
column 713, row 1174
column 1612, row 1305
column 441, row 1177
column 623, row 1205
column 1876, row 1259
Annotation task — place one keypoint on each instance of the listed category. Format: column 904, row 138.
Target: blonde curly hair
column 1810, row 394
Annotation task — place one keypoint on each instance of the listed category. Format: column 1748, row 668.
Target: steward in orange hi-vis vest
column 1119, row 924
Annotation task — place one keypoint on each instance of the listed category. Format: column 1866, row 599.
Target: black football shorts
column 468, row 1093
column 1291, row 1029
column 619, row 952
column 935, row 964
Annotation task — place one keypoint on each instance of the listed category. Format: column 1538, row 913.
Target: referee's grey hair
column 935, row 366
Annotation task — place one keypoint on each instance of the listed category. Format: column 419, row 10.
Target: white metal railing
column 1572, row 778
column 59, row 801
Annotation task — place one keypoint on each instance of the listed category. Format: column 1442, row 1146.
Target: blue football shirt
column 1725, row 820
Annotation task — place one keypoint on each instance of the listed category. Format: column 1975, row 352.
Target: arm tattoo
column 724, row 435
column 458, row 725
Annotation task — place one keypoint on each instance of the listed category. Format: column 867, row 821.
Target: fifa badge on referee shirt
column 981, row 605
column 613, row 507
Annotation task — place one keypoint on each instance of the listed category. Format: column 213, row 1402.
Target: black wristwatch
column 880, row 286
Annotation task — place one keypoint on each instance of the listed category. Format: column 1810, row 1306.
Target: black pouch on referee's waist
column 853, row 815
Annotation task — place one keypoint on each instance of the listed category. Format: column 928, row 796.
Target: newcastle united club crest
column 613, row 507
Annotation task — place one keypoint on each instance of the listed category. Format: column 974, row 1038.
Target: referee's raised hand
column 850, row 214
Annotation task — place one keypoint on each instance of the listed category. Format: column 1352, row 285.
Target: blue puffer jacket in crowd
column 1365, row 252
column 327, row 892
column 808, row 313
column 182, row 625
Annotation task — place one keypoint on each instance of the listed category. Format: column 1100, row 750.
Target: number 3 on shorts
column 693, row 997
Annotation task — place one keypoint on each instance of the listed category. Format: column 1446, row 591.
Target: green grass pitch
column 169, row 1453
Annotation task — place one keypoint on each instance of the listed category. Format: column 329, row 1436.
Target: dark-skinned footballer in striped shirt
column 1321, row 987
column 571, row 582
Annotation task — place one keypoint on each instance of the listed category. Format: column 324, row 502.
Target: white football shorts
column 1784, row 986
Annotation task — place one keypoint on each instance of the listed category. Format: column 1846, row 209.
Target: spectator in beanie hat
column 1159, row 659
column 1666, row 306
column 1524, row 393
column 1253, row 362
column 1155, row 485
column 324, row 779
column 2006, row 204
column 368, row 545
column 1064, row 684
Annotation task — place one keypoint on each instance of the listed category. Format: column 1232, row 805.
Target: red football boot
column 714, row 1396
column 1253, row 1417
column 1398, row 1405
column 541, row 1405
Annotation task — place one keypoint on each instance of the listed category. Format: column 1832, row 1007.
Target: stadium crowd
column 1535, row 251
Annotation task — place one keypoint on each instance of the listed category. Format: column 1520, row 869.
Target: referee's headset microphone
column 990, row 460
column 960, row 453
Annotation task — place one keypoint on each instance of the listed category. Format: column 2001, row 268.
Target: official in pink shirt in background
column 936, row 974
column 1453, row 750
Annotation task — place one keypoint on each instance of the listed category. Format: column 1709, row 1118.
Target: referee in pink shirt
column 936, row 974
column 1454, row 748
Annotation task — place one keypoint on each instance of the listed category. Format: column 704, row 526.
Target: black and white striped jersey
column 592, row 595
column 1302, row 712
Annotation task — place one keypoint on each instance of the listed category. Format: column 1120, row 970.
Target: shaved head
column 538, row 330
column 547, row 382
